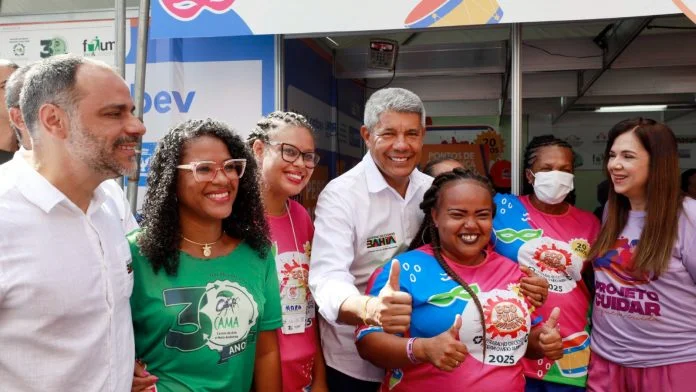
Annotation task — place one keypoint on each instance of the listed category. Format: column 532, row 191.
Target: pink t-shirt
column 559, row 255
column 291, row 235
column 437, row 299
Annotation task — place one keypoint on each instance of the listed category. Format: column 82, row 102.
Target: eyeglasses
column 205, row 171
column 290, row 154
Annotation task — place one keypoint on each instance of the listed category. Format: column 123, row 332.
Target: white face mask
column 553, row 186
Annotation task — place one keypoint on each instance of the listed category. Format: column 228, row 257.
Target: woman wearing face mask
column 547, row 235
column 644, row 317
column 283, row 144
column 470, row 324
column 205, row 298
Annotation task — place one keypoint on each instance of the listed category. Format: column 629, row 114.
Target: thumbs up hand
column 445, row 351
column 392, row 307
column 550, row 340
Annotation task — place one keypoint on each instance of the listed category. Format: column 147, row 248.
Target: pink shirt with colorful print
column 291, row 235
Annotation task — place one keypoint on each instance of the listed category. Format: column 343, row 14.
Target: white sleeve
column 330, row 279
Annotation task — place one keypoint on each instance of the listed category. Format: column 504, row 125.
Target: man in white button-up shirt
column 65, row 277
column 364, row 218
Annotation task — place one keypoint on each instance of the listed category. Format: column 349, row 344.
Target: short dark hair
column 532, row 151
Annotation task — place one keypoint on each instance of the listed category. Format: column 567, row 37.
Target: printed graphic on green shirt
column 222, row 314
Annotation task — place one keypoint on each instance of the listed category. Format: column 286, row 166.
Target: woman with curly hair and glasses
column 205, row 302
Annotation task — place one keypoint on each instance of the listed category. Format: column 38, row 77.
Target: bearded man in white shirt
column 364, row 218
column 65, row 277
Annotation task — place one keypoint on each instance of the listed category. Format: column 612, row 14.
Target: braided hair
column 428, row 234
column 532, row 152
column 275, row 122
column 161, row 234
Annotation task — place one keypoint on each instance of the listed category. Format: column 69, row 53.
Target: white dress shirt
column 65, row 285
column 361, row 223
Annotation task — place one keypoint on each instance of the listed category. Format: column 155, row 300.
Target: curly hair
column 161, row 234
column 428, row 234
column 275, row 121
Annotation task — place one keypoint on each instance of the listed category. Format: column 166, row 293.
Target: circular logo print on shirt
column 293, row 275
column 231, row 312
column 554, row 260
column 507, row 328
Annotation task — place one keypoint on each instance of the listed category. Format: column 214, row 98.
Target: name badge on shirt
column 294, row 310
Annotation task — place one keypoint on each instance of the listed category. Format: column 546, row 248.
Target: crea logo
column 186, row 10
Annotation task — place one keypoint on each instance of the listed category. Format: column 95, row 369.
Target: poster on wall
column 230, row 79
column 197, row 79
column 204, row 18
column 468, row 134
column 27, row 42
column 471, row 156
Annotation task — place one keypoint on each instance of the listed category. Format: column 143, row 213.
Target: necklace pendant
column 207, row 250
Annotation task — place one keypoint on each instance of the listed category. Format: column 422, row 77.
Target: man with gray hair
column 66, row 278
column 8, row 140
column 13, row 87
column 363, row 219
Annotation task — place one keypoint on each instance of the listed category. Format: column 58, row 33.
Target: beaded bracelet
column 409, row 351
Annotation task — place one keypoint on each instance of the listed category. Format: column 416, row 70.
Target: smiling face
column 104, row 132
column 281, row 178
column 205, row 200
column 464, row 219
column 395, row 145
column 628, row 166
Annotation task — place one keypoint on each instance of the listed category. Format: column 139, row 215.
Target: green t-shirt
column 197, row 330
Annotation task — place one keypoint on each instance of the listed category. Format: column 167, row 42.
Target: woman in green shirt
column 205, row 300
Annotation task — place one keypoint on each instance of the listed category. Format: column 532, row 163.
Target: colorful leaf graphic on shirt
column 511, row 235
column 446, row 299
